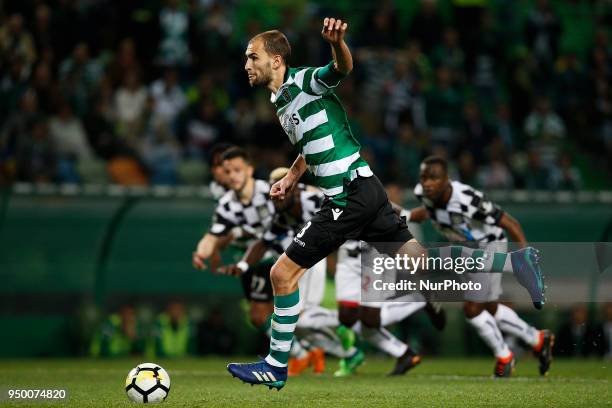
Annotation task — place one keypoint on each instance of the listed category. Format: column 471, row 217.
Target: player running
column 356, row 205
column 316, row 325
column 368, row 319
column 244, row 211
column 462, row 214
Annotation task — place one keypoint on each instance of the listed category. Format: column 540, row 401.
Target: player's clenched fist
column 281, row 188
column 333, row 30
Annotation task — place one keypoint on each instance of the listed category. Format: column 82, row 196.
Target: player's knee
column 370, row 317
column 348, row 316
column 284, row 275
column 278, row 275
column 472, row 309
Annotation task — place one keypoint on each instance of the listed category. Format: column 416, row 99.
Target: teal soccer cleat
column 526, row 266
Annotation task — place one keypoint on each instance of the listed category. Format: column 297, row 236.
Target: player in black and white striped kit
column 463, row 214
column 245, row 210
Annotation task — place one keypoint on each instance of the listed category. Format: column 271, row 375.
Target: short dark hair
column 275, row 43
column 436, row 160
column 234, row 152
column 216, row 152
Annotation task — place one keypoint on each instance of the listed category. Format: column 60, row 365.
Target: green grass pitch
column 436, row 382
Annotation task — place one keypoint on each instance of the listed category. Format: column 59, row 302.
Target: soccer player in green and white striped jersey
column 356, row 205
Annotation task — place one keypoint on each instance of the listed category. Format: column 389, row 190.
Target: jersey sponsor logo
column 336, row 213
column 295, row 119
column 288, row 125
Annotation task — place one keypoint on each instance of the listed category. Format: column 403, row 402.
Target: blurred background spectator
column 173, row 333
column 119, row 336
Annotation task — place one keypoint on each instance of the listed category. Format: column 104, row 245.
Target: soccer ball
column 147, row 383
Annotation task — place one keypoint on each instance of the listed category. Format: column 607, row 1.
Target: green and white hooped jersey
column 315, row 121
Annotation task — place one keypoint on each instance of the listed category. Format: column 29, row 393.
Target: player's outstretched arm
column 285, row 186
column 224, row 240
column 513, row 228
column 204, row 251
column 254, row 253
column 333, row 32
column 417, row 214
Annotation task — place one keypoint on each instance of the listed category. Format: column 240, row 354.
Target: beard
column 240, row 186
column 262, row 78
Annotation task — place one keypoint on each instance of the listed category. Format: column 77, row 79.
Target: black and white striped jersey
column 468, row 215
column 284, row 224
column 254, row 218
column 217, row 191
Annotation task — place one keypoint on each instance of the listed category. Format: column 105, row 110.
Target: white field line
column 222, row 373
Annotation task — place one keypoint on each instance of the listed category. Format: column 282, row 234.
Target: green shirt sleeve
column 328, row 76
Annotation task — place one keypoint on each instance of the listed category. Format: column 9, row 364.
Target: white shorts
column 348, row 274
column 312, row 285
column 349, row 285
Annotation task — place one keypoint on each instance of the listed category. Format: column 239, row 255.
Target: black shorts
column 256, row 283
column 368, row 216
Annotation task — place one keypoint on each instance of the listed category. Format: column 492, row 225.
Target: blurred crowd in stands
column 516, row 93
